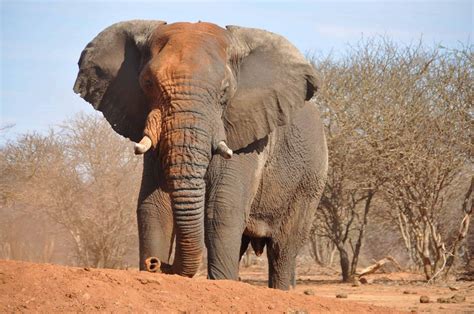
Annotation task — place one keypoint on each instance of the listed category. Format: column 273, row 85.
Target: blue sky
column 41, row 40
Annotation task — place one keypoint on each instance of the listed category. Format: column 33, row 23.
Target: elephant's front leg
column 155, row 220
column 232, row 186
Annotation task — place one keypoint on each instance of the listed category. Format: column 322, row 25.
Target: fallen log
column 373, row 268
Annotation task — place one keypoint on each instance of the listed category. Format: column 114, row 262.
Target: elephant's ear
column 273, row 81
column 108, row 75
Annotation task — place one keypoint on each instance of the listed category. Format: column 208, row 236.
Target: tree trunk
column 425, row 253
column 331, row 257
column 355, row 257
column 344, row 260
column 467, row 208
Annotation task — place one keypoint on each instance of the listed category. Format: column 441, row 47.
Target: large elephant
column 233, row 152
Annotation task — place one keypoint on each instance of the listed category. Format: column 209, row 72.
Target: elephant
column 234, row 154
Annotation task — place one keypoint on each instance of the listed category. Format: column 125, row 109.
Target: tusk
column 223, row 150
column 143, row 146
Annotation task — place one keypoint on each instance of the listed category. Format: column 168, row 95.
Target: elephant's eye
column 146, row 80
column 99, row 72
column 147, row 84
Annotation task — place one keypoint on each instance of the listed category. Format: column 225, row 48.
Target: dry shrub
column 398, row 126
column 79, row 185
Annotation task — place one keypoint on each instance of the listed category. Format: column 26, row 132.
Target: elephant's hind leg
column 284, row 245
column 281, row 264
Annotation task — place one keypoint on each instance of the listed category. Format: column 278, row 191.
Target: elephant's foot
column 166, row 269
column 153, row 265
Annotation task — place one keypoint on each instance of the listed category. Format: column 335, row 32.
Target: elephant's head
column 186, row 91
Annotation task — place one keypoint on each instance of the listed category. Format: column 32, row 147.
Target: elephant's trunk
column 188, row 206
column 186, row 152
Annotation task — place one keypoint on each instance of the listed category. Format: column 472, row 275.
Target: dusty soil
column 28, row 287
column 398, row 290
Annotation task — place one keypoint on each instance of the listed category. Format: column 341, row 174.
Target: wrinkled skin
column 234, row 155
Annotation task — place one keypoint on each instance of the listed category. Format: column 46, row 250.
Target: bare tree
column 83, row 177
column 398, row 134
column 321, row 249
column 354, row 176
column 430, row 150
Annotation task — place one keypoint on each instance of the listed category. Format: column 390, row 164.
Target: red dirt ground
column 396, row 290
column 28, row 287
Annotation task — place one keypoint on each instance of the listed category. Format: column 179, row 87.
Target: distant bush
column 78, row 186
